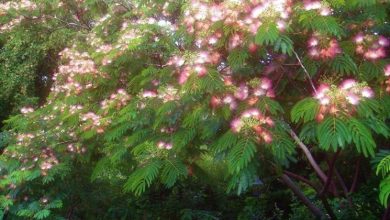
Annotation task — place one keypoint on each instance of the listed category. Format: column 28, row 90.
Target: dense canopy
column 198, row 109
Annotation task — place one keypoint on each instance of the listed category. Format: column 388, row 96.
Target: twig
column 309, row 156
column 306, row 72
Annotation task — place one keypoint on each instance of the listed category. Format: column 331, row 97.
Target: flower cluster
column 94, row 121
column 244, row 16
column 387, row 74
column 11, row 24
column 75, row 76
column 76, row 149
column 26, row 110
column 371, row 47
column 116, row 100
column 48, row 160
column 317, row 5
column 320, row 47
column 249, row 92
column 252, row 119
column 164, row 145
column 341, row 99
column 196, row 64
column 19, row 5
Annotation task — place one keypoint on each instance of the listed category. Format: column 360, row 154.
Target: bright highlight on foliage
column 125, row 109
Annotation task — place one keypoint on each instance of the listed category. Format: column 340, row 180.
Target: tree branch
column 355, row 176
column 344, row 187
column 306, row 72
column 330, row 173
column 315, row 210
column 309, row 156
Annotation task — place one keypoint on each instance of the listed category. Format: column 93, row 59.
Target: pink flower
column 321, row 91
column 266, row 83
column 149, row 94
column 383, row 41
column 161, row 144
column 200, row 70
column 347, row 84
column 325, row 11
column 242, row 92
column 313, row 42
column 324, row 100
column 359, row 38
column 168, row 146
column 281, row 25
column 236, row 125
column 387, row 70
column 257, row 11
column 352, row 98
column 367, row 92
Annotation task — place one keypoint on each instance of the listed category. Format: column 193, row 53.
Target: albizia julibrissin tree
column 151, row 88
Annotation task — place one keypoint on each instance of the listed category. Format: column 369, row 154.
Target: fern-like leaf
column 143, row 177
column 171, row 171
column 267, row 34
column 241, row 154
column 361, row 137
column 284, row 44
column 333, row 132
column 384, row 191
column 383, row 166
column 306, row 109
column 344, row 65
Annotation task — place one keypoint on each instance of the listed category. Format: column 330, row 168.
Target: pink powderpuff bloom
column 383, row 41
column 242, row 92
column 325, row 100
column 353, row 98
column 387, row 70
column 270, row 93
column 168, row 146
column 359, row 38
column 236, row 125
column 265, row 83
column 215, row 101
column 314, row 53
column 313, row 42
column 149, row 94
column 161, row 144
column 367, row 92
column 325, row 11
column 347, row 84
column 200, row 70
column 311, row 5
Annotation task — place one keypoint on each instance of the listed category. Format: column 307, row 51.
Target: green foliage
column 241, row 154
column 322, row 24
column 157, row 108
column 284, row 44
column 344, row 65
column 143, row 177
column 384, row 192
column 306, row 109
column 333, row 133
column 268, row 34
column 361, row 137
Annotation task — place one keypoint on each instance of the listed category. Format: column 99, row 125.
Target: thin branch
column 330, row 173
column 344, row 187
column 301, row 178
column 315, row 210
column 306, row 72
column 355, row 176
column 309, row 156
